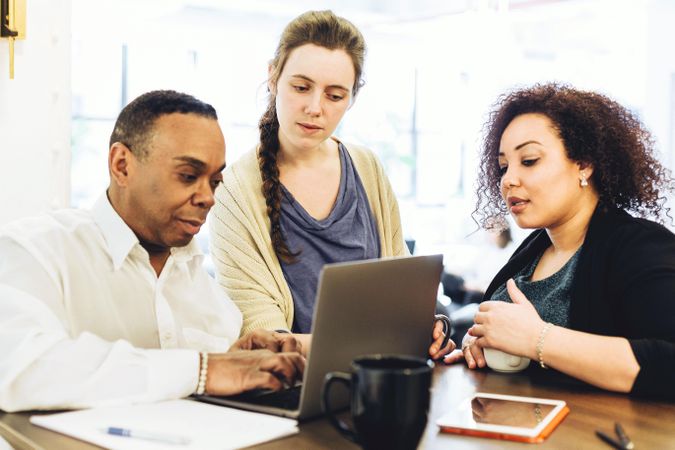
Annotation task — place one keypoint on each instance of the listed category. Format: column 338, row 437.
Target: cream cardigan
column 246, row 265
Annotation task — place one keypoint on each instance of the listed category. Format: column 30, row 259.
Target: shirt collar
column 122, row 241
column 191, row 252
column 117, row 234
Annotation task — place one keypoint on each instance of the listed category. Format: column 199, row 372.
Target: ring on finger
column 466, row 345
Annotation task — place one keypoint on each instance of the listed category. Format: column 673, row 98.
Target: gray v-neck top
column 349, row 233
column 549, row 296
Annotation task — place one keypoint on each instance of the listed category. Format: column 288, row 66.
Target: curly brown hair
column 595, row 130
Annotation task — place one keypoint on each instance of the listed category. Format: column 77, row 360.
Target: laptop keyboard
column 284, row 399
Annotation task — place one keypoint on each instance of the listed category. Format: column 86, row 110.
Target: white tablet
column 524, row 419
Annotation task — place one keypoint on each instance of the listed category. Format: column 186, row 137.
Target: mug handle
column 514, row 360
column 447, row 327
column 346, row 379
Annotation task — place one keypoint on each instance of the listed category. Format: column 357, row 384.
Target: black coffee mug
column 389, row 400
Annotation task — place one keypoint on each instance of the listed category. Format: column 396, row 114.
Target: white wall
column 35, row 114
column 660, row 102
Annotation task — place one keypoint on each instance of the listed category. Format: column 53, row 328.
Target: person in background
column 112, row 305
column 302, row 198
column 590, row 293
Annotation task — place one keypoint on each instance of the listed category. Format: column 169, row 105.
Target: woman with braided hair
column 302, row 198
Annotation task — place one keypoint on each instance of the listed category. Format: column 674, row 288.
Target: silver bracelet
column 203, row 369
column 540, row 344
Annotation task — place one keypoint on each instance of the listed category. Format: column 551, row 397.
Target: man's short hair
column 133, row 127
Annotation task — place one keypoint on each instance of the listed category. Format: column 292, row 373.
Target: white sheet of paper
column 206, row 426
column 4, row 445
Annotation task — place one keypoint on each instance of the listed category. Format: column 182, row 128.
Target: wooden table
column 651, row 424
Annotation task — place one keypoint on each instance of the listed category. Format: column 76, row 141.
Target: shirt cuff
column 173, row 373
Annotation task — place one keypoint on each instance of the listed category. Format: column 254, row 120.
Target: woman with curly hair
column 590, row 292
column 303, row 198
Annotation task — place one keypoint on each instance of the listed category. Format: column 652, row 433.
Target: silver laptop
column 365, row 307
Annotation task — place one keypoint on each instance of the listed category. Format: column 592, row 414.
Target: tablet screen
column 503, row 414
column 511, row 413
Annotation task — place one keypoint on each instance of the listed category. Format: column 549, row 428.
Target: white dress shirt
column 85, row 321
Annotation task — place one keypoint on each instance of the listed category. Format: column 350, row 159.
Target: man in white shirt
column 112, row 305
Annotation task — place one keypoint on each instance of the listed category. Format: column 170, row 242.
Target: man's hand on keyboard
column 237, row 371
column 269, row 340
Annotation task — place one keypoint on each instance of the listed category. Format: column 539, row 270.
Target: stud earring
column 583, row 182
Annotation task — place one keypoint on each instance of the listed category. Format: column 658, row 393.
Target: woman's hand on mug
column 473, row 352
column 509, row 327
column 470, row 352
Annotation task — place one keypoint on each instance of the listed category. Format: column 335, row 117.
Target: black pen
column 610, row 441
column 623, row 437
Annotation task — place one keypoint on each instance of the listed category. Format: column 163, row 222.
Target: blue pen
column 147, row 435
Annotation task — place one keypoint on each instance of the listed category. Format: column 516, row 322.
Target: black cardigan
column 624, row 285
